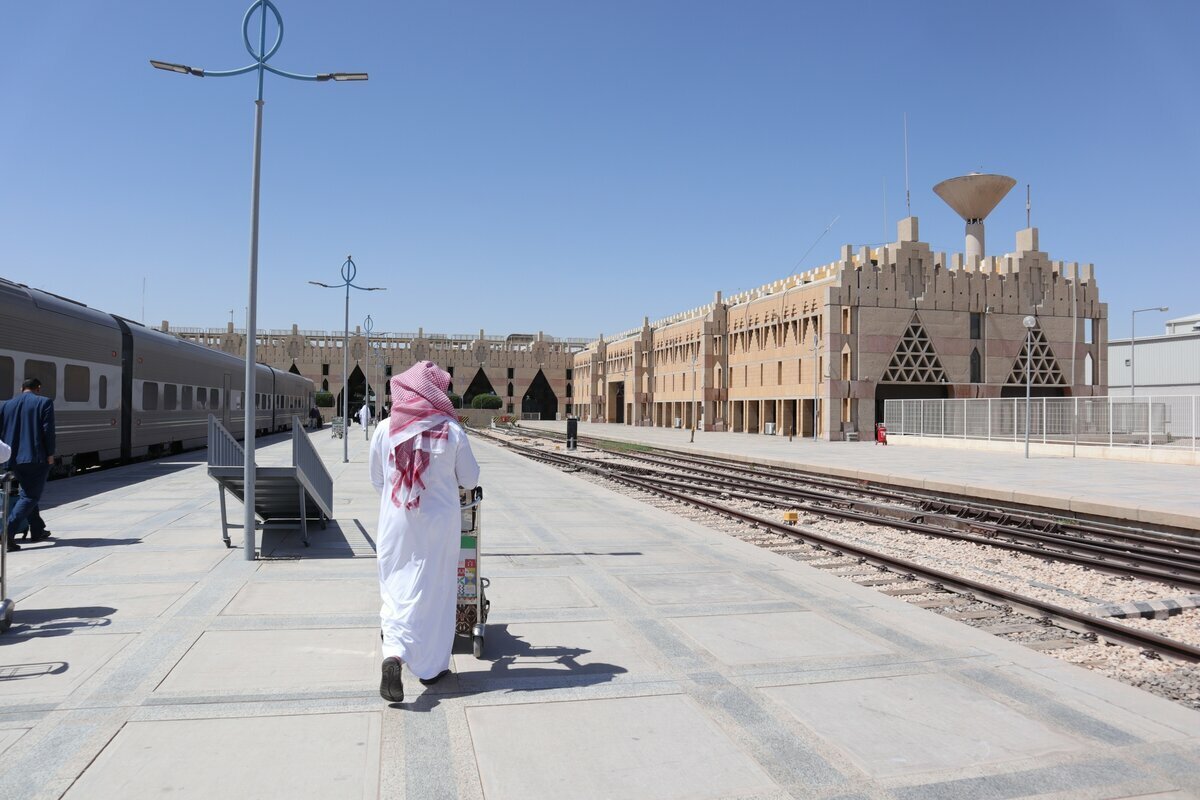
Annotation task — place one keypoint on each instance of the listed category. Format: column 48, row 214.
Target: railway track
column 715, row 485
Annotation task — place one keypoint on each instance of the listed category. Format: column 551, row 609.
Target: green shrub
column 455, row 400
column 323, row 399
column 486, row 401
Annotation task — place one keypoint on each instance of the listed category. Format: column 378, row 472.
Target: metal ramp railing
column 299, row 492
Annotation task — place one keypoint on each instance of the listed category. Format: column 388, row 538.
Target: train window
column 214, row 399
column 149, row 396
column 102, row 394
column 6, row 377
column 44, row 371
column 76, row 383
column 170, row 397
column 201, row 397
column 185, row 398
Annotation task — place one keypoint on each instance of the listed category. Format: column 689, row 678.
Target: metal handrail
column 223, row 449
column 309, row 465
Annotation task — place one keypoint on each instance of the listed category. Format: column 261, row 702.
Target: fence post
column 1045, row 421
column 1075, row 427
column 965, row 404
column 943, row 418
column 989, row 425
column 1110, row 421
column 1015, row 437
column 1150, row 421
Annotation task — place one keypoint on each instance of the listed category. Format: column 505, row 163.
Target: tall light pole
column 260, row 65
column 349, row 271
column 1133, row 338
column 368, row 326
column 1029, row 323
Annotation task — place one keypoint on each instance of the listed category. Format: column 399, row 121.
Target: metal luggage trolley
column 7, row 607
column 472, row 595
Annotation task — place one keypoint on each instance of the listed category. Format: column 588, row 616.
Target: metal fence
column 1168, row 421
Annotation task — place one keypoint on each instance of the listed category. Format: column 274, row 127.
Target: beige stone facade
column 532, row 374
column 823, row 349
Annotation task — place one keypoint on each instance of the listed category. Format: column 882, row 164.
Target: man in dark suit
column 27, row 424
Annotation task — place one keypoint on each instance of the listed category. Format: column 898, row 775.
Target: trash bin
column 572, row 432
column 881, row 434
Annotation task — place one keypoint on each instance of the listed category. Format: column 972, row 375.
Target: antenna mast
column 907, row 196
column 1027, row 195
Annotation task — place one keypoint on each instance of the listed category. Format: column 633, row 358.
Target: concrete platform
column 630, row 654
column 1148, row 493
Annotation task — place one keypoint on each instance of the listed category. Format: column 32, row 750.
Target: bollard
column 572, row 432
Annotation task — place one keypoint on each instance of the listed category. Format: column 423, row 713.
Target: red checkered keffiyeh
column 420, row 423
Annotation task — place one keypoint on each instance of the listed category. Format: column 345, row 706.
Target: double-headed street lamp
column 1133, row 339
column 349, row 271
column 260, row 65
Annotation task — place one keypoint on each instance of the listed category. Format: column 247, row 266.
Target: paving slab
column 317, row 756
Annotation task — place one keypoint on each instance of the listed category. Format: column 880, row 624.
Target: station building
column 818, row 353
column 532, row 374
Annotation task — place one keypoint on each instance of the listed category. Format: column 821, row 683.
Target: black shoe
column 434, row 679
column 13, row 546
column 390, row 687
column 37, row 537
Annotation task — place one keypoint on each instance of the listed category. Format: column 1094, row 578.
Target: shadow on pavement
column 45, row 622
column 333, row 541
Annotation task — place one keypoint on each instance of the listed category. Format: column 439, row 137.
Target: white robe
column 418, row 550
column 364, row 416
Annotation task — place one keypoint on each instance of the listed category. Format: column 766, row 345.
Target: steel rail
column 1165, row 543
column 1064, row 617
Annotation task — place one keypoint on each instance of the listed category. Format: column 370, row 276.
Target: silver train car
column 122, row 391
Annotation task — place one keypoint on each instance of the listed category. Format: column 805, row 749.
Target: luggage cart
column 7, row 606
column 472, row 611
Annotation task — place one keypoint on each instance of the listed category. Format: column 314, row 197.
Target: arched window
column 976, row 367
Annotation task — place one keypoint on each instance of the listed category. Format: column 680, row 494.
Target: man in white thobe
column 418, row 460
column 364, row 419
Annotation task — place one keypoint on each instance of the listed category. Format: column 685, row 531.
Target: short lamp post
column 1029, row 323
column 1133, row 339
column 694, row 357
column 261, row 55
column 349, row 271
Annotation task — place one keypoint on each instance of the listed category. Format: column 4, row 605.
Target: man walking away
column 418, row 461
column 27, row 424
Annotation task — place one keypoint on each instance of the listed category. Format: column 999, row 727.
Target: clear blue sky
column 574, row 166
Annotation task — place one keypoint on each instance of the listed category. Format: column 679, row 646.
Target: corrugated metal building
column 1164, row 364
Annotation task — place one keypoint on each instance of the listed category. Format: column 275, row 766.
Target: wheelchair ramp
column 295, row 493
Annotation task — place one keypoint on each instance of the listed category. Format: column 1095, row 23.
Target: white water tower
column 973, row 197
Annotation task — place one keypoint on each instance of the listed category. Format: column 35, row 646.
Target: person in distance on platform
column 27, row 424
column 364, row 417
column 418, row 460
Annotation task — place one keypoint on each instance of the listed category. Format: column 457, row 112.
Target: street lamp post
column 694, row 357
column 349, row 271
column 1133, row 338
column 260, row 65
column 816, row 378
column 1029, row 323
column 368, row 326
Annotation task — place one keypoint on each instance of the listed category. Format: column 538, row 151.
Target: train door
column 227, row 401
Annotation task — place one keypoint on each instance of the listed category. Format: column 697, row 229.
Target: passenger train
column 122, row 391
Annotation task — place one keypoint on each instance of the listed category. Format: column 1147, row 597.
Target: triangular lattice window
column 1044, row 369
column 915, row 360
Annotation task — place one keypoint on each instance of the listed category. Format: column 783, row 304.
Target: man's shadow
column 515, row 666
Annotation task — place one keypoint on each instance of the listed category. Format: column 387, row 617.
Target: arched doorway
column 294, row 369
column 540, row 398
column 479, row 385
column 358, row 391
